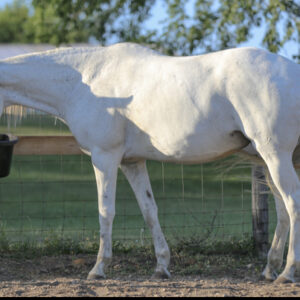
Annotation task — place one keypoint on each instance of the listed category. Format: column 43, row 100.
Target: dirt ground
column 65, row 276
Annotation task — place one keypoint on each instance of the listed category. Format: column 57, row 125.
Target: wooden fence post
column 260, row 213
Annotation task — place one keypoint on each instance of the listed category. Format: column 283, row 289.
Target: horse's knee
column 106, row 217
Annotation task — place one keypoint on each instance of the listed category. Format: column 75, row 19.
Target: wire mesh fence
column 55, row 195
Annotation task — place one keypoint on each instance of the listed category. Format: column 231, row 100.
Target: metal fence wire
column 55, row 195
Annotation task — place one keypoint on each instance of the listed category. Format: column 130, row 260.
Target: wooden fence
column 67, row 145
column 47, row 145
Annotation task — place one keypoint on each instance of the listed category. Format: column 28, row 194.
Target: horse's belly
column 191, row 149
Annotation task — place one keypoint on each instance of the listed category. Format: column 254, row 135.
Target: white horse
column 125, row 104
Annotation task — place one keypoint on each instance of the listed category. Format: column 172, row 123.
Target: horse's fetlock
column 163, row 257
column 165, row 253
column 106, row 259
column 161, row 272
column 275, row 262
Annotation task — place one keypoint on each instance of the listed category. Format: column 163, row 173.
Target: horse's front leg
column 106, row 169
column 138, row 178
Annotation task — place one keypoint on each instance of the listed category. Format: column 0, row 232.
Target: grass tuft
column 56, row 245
column 190, row 256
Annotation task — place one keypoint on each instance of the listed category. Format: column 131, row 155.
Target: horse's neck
column 33, row 84
column 15, row 98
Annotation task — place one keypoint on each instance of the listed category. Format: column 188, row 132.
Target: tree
column 54, row 28
column 105, row 20
column 214, row 25
column 224, row 24
column 14, row 25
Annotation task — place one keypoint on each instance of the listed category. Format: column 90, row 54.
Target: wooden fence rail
column 47, row 145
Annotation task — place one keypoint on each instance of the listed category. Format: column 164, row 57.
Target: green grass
column 189, row 256
column 48, row 196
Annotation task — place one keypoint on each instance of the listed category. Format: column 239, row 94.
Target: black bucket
column 7, row 142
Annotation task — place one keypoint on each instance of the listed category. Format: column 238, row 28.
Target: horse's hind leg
column 275, row 255
column 106, row 168
column 137, row 176
column 283, row 174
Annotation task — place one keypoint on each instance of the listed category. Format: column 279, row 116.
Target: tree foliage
column 207, row 25
column 105, row 20
column 223, row 24
column 14, row 25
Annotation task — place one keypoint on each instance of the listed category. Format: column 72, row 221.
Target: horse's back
column 189, row 107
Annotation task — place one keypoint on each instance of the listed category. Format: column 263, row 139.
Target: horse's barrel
column 7, row 142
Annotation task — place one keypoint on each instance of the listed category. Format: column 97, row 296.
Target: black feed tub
column 7, row 142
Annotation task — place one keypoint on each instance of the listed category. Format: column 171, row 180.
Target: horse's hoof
column 270, row 276
column 282, row 279
column 161, row 274
column 94, row 276
column 262, row 277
